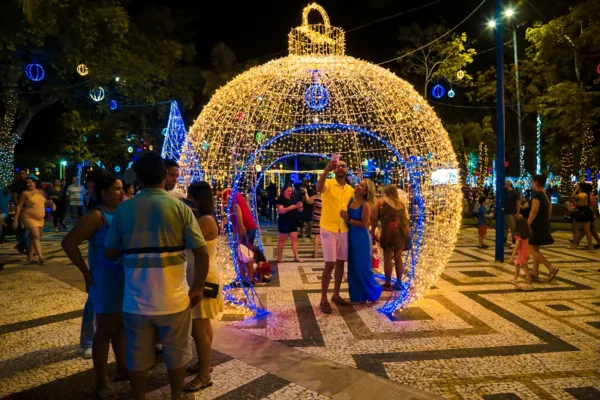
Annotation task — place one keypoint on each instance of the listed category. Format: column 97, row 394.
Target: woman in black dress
column 287, row 209
column 539, row 221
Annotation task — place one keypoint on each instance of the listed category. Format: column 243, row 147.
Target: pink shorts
column 335, row 245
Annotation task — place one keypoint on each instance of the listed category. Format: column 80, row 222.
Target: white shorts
column 335, row 245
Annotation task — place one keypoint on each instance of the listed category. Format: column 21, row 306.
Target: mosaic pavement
column 474, row 336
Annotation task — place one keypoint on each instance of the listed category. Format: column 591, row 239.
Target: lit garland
column 538, row 156
column 8, row 141
column 566, row 187
column 483, row 162
column 588, row 160
column 362, row 112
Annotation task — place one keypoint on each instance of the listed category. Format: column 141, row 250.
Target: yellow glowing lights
column 82, row 69
column 460, row 74
column 371, row 114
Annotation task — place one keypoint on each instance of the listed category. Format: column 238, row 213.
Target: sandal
column 326, row 308
column 535, row 277
column 388, row 287
column 198, row 385
column 553, row 274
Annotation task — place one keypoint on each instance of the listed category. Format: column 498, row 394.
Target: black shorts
column 285, row 227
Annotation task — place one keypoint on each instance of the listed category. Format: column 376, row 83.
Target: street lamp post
column 500, row 169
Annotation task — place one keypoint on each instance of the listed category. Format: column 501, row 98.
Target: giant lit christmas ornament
column 438, row 91
column 364, row 112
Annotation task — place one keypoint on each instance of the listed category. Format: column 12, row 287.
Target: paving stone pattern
column 473, row 336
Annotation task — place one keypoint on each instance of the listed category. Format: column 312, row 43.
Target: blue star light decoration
column 438, row 91
column 316, row 97
column 35, row 72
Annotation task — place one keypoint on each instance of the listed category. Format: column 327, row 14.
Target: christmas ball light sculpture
column 364, row 112
column 97, row 94
column 82, row 69
column 35, row 72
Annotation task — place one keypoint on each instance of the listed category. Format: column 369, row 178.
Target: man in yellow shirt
column 335, row 195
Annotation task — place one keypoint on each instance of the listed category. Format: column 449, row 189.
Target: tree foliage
column 440, row 60
column 151, row 63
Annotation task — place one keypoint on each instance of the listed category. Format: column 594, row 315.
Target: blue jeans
column 88, row 325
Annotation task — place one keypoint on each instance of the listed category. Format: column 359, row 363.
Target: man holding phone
column 335, row 195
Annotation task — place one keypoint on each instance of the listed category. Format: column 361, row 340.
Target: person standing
column 335, row 195
column 306, row 215
column 172, row 178
column 18, row 187
column 211, row 306
column 55, row 193
column 395, row 234
column 287, row 223
column 316, row 220
column 75, row 199
column 584, row 216
column 32, row 207
column 513, row 207
column 246, row 228
column 153, row 231
column 362, row 285
column 104, row 280
column 539, row 221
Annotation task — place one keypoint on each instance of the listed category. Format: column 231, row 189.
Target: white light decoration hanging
column 82, row 69
column 364, row 112
column 97, row 94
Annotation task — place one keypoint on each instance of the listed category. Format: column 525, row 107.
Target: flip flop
column 339, row 301
column 553, row 274
column 195, row 387
column 388, row 288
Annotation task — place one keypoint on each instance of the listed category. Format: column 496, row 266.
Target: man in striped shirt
column 153, row 230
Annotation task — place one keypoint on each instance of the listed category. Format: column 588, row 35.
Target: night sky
column 259, row 29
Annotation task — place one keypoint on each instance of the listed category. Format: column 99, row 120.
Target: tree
column 440, row 60
column 150, row 63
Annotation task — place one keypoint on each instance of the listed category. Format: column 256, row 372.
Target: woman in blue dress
column 361, row 281
column 104, row 281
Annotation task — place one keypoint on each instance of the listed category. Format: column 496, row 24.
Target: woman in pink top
column 522, row 234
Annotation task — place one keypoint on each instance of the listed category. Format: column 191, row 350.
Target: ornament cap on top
column 316, row 39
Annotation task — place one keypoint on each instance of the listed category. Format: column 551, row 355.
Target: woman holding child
column 362, row 285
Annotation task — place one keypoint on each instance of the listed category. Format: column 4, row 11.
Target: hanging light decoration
column 451, row 93
column 438, row 91
column 82, row 69
column 97, row 94
column 130, row 149
column 357, row 104
column 460, row 74
column 35, row 72
column 112, row 105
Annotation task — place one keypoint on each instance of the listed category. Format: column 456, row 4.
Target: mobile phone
column 335, row 157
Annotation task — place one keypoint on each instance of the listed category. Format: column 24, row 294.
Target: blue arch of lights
column 413, row 165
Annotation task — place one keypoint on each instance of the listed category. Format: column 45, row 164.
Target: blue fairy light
column 316, row 97
column 204, row 145
column 130, row 149
column 112, row 105
column 117, row 169
column 438, row 91
column 35, row 72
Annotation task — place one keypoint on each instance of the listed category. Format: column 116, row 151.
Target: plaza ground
column 473, row 336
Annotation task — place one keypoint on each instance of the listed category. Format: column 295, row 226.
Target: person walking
column 513, row 207
column 539, row 221
column 336, row 195
column 32, row 207
column 16, row 189
column 152, row 231
column 584, row 216
column 211, row 306
column 75, row 200
column 362, row 285
column 395, row 234
column 56, row 194
column 104, row 281
column 287, row 223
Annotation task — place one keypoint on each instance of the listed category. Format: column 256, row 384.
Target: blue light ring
column 393, row 301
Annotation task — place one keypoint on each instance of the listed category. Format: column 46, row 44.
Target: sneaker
column 87, row 353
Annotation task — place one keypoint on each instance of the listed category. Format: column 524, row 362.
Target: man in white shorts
column 335, row 195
